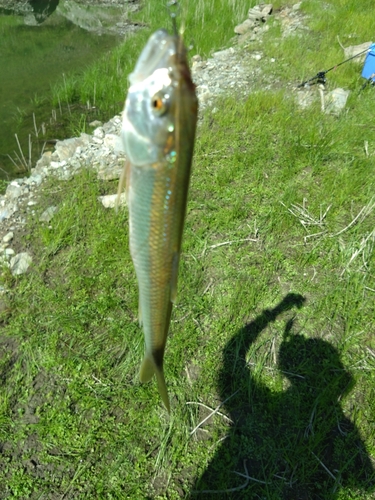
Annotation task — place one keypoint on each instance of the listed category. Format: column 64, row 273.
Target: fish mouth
column 159, row 52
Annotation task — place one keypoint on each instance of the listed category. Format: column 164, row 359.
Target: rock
column 267, row 9
column 8, row 211
column 109, row 201
column 44, row 161
column 356, row 49
column 335, row 101
column 79, row 15
column 66, row 149
column 8, row 237
column 97, row 140
column 48, row 214
column 114, row 142
column 305, row 98
column 95, row 123
column 35, row 179
column 20, row 263
column 110, row 173
column 9, row 252
column 244, row 27
column 14, row 191
column 260, row 12
column 99, row 132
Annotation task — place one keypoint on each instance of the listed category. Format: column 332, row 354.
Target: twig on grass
column 29, row 151
column 209, row 408
column 19, row 147
column 208, row 287
column 35, row 127
column 365, row 211
column 237, row 488
column 366, row 148
column 341, row 45
column 305, row 217
column 324, row 467
column 369, row 237
column 231, row 242
column 212, row 413
column 11, row 159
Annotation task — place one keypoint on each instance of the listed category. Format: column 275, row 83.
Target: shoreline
column 232, row 71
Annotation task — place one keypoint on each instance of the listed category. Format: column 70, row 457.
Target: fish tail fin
column 162, row 388
column 148, row 368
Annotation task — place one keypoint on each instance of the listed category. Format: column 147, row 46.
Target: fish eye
column 159, row 104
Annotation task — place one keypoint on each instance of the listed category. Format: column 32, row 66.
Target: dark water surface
column 32, row 60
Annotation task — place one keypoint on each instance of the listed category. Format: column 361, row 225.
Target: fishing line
column 173, row 8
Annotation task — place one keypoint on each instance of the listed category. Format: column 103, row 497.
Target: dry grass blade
column 363, row 213
column 231, row 242
column 369, row 240
column 209, row 408
column 324, row 467
column 237, row 488
column 305, row 217
column 24, row 162
column 212, row 413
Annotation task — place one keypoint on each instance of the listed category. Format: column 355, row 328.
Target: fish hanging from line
column 158, row 132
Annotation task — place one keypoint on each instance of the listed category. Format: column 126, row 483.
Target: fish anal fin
column 174, row 276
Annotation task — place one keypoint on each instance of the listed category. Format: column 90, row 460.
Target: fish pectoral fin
column 174, row 276
column 124, row 181
column 148, row 368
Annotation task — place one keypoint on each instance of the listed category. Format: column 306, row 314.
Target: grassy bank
column 274, row 321
column 207, row 26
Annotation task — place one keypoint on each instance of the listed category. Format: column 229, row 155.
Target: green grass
column 280, row 329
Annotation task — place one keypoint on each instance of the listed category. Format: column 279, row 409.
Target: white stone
column 335, row 101
column 96, row 123
column 8, row 237
column 109, row 201
column 97, row 140
column 13, row 191
column 110, row 141
column 99, row 132
column 20, row 263
column 48, row 214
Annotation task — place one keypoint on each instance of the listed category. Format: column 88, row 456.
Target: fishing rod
column 320, row 77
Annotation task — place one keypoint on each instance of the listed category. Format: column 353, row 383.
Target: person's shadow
column 294, row 444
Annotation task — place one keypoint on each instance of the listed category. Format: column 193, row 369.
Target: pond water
column 34, row 57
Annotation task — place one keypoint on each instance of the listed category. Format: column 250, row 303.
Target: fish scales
column 158, row 132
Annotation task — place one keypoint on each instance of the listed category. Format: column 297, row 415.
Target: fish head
column 149, row 114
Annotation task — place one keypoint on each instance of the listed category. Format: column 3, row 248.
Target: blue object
column 368, row 71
